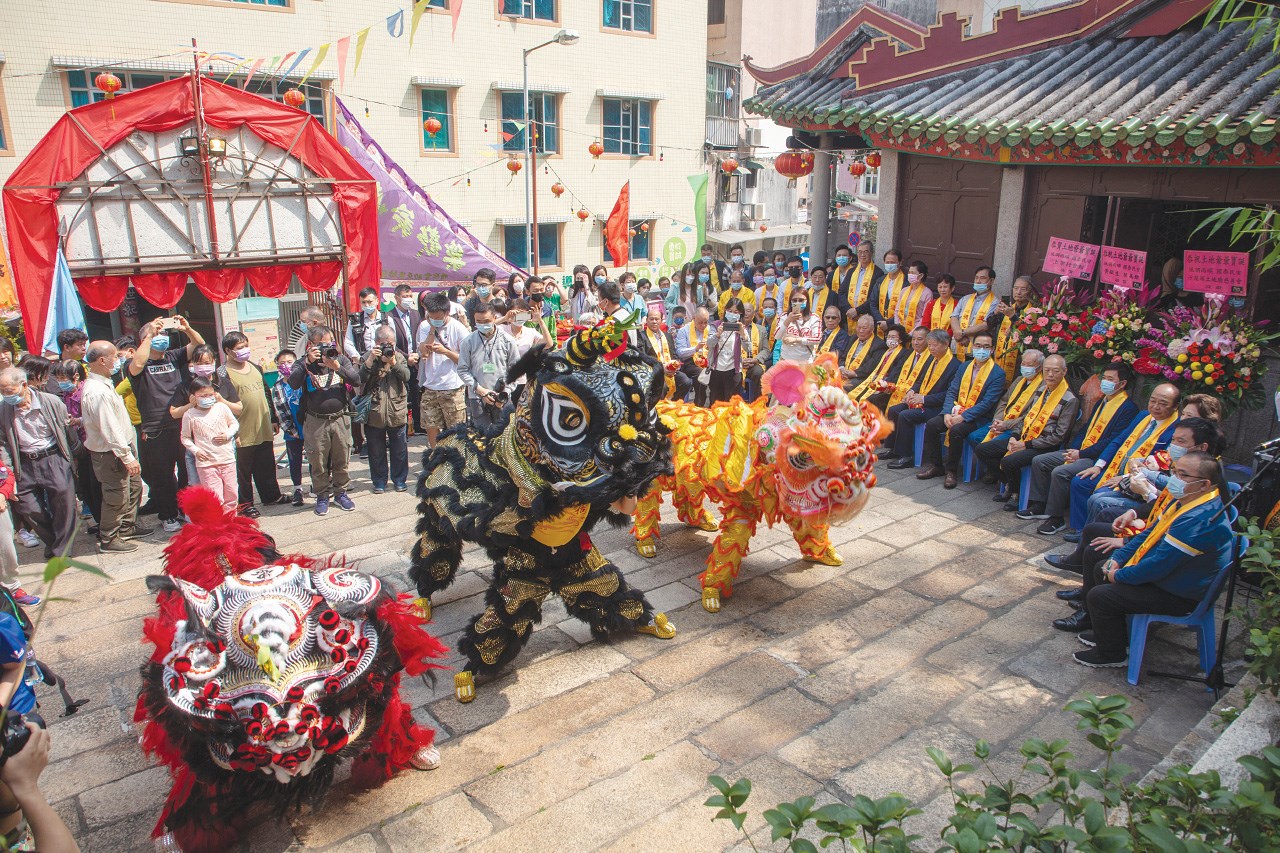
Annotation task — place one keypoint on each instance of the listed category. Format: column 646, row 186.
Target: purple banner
column 419, row 241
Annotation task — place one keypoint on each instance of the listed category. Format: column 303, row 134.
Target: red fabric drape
column 161, row 289
column 78, row 138
column 220, row 285
column 317, row 277
column 616, row 239
column 103, row 292
column 270, row 281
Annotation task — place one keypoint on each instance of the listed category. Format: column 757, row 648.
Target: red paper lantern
column 794, row 164
column 432, row 126
column 631, row 232
column 514, row 166
column 729, row 166
column 294, row 98
column 596, row 150
column 582, row 214
column 557, row 189
column 873, row 160
column 108, row 83
column 857, row 168
column 644, row 226
column 764, row 228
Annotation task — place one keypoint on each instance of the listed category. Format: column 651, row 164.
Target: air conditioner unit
column 754, row 137
column 747, row 195
column 754, row 212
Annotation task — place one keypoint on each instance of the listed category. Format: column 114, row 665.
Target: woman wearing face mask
column 835, row 339
column 801, row 331
column 582, row 299
column 878, row 387
column 515, row 284
column 632, row 301
column 726, row 350
column 1172, row 290
column 769, row 286
column 683, row 292
column 704, row 279
column 769, row 320
column 599, row 275
column 553, row 294
column 204, row 365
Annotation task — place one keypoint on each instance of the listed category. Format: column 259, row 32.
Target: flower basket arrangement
column 1058, row 326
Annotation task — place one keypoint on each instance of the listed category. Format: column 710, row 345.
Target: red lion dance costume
column 268, row 671
column 807, row 461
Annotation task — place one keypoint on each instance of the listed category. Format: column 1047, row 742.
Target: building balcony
column 722, row 132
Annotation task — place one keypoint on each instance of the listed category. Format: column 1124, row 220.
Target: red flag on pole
column 616, row 238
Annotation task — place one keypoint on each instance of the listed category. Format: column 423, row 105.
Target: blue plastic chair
column 919, row 444
column 1024, row 489
column 1201, row 620
column 969, row 464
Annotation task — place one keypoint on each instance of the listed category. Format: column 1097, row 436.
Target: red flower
column 1233, row 386
column 1146, row 366
column 1097, row 353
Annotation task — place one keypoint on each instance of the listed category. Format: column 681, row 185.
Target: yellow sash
column 967, row 318
column 659, row 344
column 1040, row 413
column 936, row 372
column 693, row 337
column 825, row 346
column 818, row 301
column 890, row 290
column 1156, row 533
column 972, row 384
column 1102, row 416
column 940, row 312
column 868, row 386
column 857, row 294
column 858, row 353
column 1019, row 399
column 908, row 312
column 715, row 274
column 1131, row 446
column 907, row 377
column 1007, row 345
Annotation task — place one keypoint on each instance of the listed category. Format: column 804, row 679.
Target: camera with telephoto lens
column 16, row 734
column 500, row 396
column 330, row 352
column 387, row 350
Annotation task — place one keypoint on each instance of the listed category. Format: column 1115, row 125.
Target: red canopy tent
column 86, row 136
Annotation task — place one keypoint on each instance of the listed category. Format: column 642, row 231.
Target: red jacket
column 9, row 484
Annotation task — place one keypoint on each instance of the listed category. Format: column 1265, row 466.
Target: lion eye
column 800, row 459
column 563, row 420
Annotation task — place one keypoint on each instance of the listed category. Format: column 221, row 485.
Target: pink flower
column 1044, row 339
column 1042, row 322
column 1057, row 327
column 1053, row 347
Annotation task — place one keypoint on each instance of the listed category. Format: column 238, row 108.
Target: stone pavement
column 819, row 681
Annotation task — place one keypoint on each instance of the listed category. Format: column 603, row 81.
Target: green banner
column 699, row 185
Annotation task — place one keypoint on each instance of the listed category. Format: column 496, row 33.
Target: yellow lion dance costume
column 808, row 460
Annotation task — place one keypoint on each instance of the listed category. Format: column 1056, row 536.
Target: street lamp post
column 530, row 239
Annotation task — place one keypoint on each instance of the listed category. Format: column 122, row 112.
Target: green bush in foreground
column 1049, row 806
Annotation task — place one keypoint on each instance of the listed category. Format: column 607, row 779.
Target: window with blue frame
column 435, row 104
column 81, row 90
column 628, row 127
column 545, row 115
column 513, row 246
column 633, row 16
column 640, row 242
column 438, row 4
column 538, row 10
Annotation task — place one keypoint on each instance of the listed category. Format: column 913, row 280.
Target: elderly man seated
column 1043, row 425
column 1010, row 409
column 924, row 400
column 1166, row 569
column 971, row 401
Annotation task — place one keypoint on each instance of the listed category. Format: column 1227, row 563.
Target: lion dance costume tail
column 268, row 671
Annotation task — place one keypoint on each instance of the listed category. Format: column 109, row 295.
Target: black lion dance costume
column 582, row 445
column 269, row 671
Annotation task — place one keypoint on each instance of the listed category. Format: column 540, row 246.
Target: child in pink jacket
column 208, row 432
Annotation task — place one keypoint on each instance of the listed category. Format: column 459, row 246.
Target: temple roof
column 1145, row 72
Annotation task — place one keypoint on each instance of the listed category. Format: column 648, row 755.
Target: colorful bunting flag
column 320, row 55
column 395, row 25
column 360, row 38
column 419, row 8
column 455, row 9
column 257, row 64
column 343, row 44
column 296, row 62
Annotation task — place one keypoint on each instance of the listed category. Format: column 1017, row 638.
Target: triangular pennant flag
column 320, row 55
column 343, row 44
column 395, row 25
column 418, row 9
column 283, row 60
column 64, row 306
column 455, row 9
column 296, row 62
column 257, row 64
column 360, row 38
column 507, row 137
column 518, row 125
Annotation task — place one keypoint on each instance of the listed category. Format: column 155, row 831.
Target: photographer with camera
column 385, row 373
column 486, row 356
column 324, row 410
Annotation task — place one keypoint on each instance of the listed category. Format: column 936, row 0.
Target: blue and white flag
column 64, row 307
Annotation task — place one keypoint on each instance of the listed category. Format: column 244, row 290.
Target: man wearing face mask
column 883, row 301
column 361, row 327
column 970, row 402
column 853, row 283
column 310, row 317
column 970, row 317
column 1051, row 473
column 737, row 261
column 1167, row 568
column 255, row 443
column 737, row 289
column 1003, row 324
column 156, row 376
column 323, row 405
column 40, row 447
column 486, row 356
column 717, row 271
column 113, row 452
column 483, row 293
column 405, row 319
column 443, row 394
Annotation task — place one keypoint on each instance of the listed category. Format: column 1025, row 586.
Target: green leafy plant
column 1049, row 804
column 1262, row 559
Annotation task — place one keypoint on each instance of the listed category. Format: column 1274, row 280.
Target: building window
column 871, row 183
column 545, row 117
column 633, row 16
column 722, row 79
column 628, row 127
column 548, row 245
column 82, row 91
column 435, row 104
column 639, row 244
column 715, row 12
column 537, row 10
column 727, row 187
column 437, row 4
